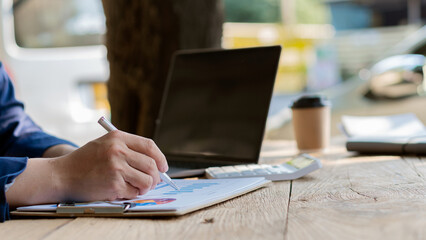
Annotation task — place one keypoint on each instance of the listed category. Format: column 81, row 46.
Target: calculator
column 297, row 167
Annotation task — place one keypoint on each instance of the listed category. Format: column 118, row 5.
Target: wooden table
column 351, row 197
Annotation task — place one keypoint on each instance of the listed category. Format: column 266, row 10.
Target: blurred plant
column 252, row 11
column 312, row 12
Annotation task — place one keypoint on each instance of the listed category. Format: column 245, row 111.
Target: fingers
column 134, row 160
column 148, row 147
column 142, row 173
column 128, row 183
column 119, row 189
column 129, row 192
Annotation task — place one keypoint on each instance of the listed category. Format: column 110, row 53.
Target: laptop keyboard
column 295, row 168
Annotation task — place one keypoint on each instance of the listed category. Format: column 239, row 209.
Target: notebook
column 214, row 107
column 162, row 201
column 392, row 134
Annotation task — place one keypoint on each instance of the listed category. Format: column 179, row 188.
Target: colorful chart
column 161, row 185
column 154, row 201
column 190, row 188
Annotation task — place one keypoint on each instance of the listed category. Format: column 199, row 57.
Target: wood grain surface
column 238, row 218
column 351, row 197
column 360, row 197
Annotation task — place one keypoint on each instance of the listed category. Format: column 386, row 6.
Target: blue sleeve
column 20, row 138
column 19, row 135
column 10, row 168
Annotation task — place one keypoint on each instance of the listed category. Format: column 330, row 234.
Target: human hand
column 116, row 165
column 58, row 150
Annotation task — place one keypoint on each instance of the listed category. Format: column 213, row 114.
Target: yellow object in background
column 100, row 95
column 298, row 43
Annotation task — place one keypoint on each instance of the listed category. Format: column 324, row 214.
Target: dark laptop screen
column 216, row 103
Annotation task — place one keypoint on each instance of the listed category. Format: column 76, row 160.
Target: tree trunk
column 141, row 37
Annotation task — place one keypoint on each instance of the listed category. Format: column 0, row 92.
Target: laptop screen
column 215, row 105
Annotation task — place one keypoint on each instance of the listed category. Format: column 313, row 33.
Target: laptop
column 214, row 108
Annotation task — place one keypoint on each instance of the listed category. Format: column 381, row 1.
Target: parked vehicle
column 54, row 53
column 400, row 72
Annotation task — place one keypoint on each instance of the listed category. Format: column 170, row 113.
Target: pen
column 109, row 127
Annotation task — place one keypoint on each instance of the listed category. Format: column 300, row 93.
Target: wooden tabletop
column 351, row 197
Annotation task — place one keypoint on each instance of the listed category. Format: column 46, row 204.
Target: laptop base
column 181, row 172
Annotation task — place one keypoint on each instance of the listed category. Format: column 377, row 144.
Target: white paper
column 192, row 193
column 401, row 125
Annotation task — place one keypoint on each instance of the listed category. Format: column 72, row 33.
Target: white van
column 54, row 52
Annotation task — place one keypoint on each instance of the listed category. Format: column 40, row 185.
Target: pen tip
column 101, row 119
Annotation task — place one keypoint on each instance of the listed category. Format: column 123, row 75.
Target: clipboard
column 162, row 201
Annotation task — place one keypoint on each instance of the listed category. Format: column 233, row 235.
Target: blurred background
column 356, row 52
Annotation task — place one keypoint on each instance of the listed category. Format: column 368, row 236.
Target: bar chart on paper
column 164, row 200
column 192, row 192
column 191, row 188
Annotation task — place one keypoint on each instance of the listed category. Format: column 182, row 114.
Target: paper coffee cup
column 311, row 123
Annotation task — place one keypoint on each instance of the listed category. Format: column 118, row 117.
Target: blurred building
column 367, row 29
column 355, row 14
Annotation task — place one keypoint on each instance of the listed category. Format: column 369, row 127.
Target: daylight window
column 52, row 23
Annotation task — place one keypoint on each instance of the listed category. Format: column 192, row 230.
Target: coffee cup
column 311, row 123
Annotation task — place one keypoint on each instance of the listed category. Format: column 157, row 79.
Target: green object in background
column 252, row 11
column 269, row 11
column 312, row 12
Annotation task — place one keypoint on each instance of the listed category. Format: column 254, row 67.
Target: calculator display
column 300, row 162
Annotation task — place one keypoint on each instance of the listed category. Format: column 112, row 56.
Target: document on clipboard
column 162, row 201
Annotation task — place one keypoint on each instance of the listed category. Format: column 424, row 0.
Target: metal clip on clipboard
column 93, row 208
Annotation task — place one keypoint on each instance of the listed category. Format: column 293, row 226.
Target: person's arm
column 10, row 168
column 19, row 135
column 58, row 150
column 117, row 165
column 20, row 138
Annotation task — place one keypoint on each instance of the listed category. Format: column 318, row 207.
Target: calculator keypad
column 276, row 172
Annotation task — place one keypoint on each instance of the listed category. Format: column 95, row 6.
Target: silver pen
column 109, row 127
